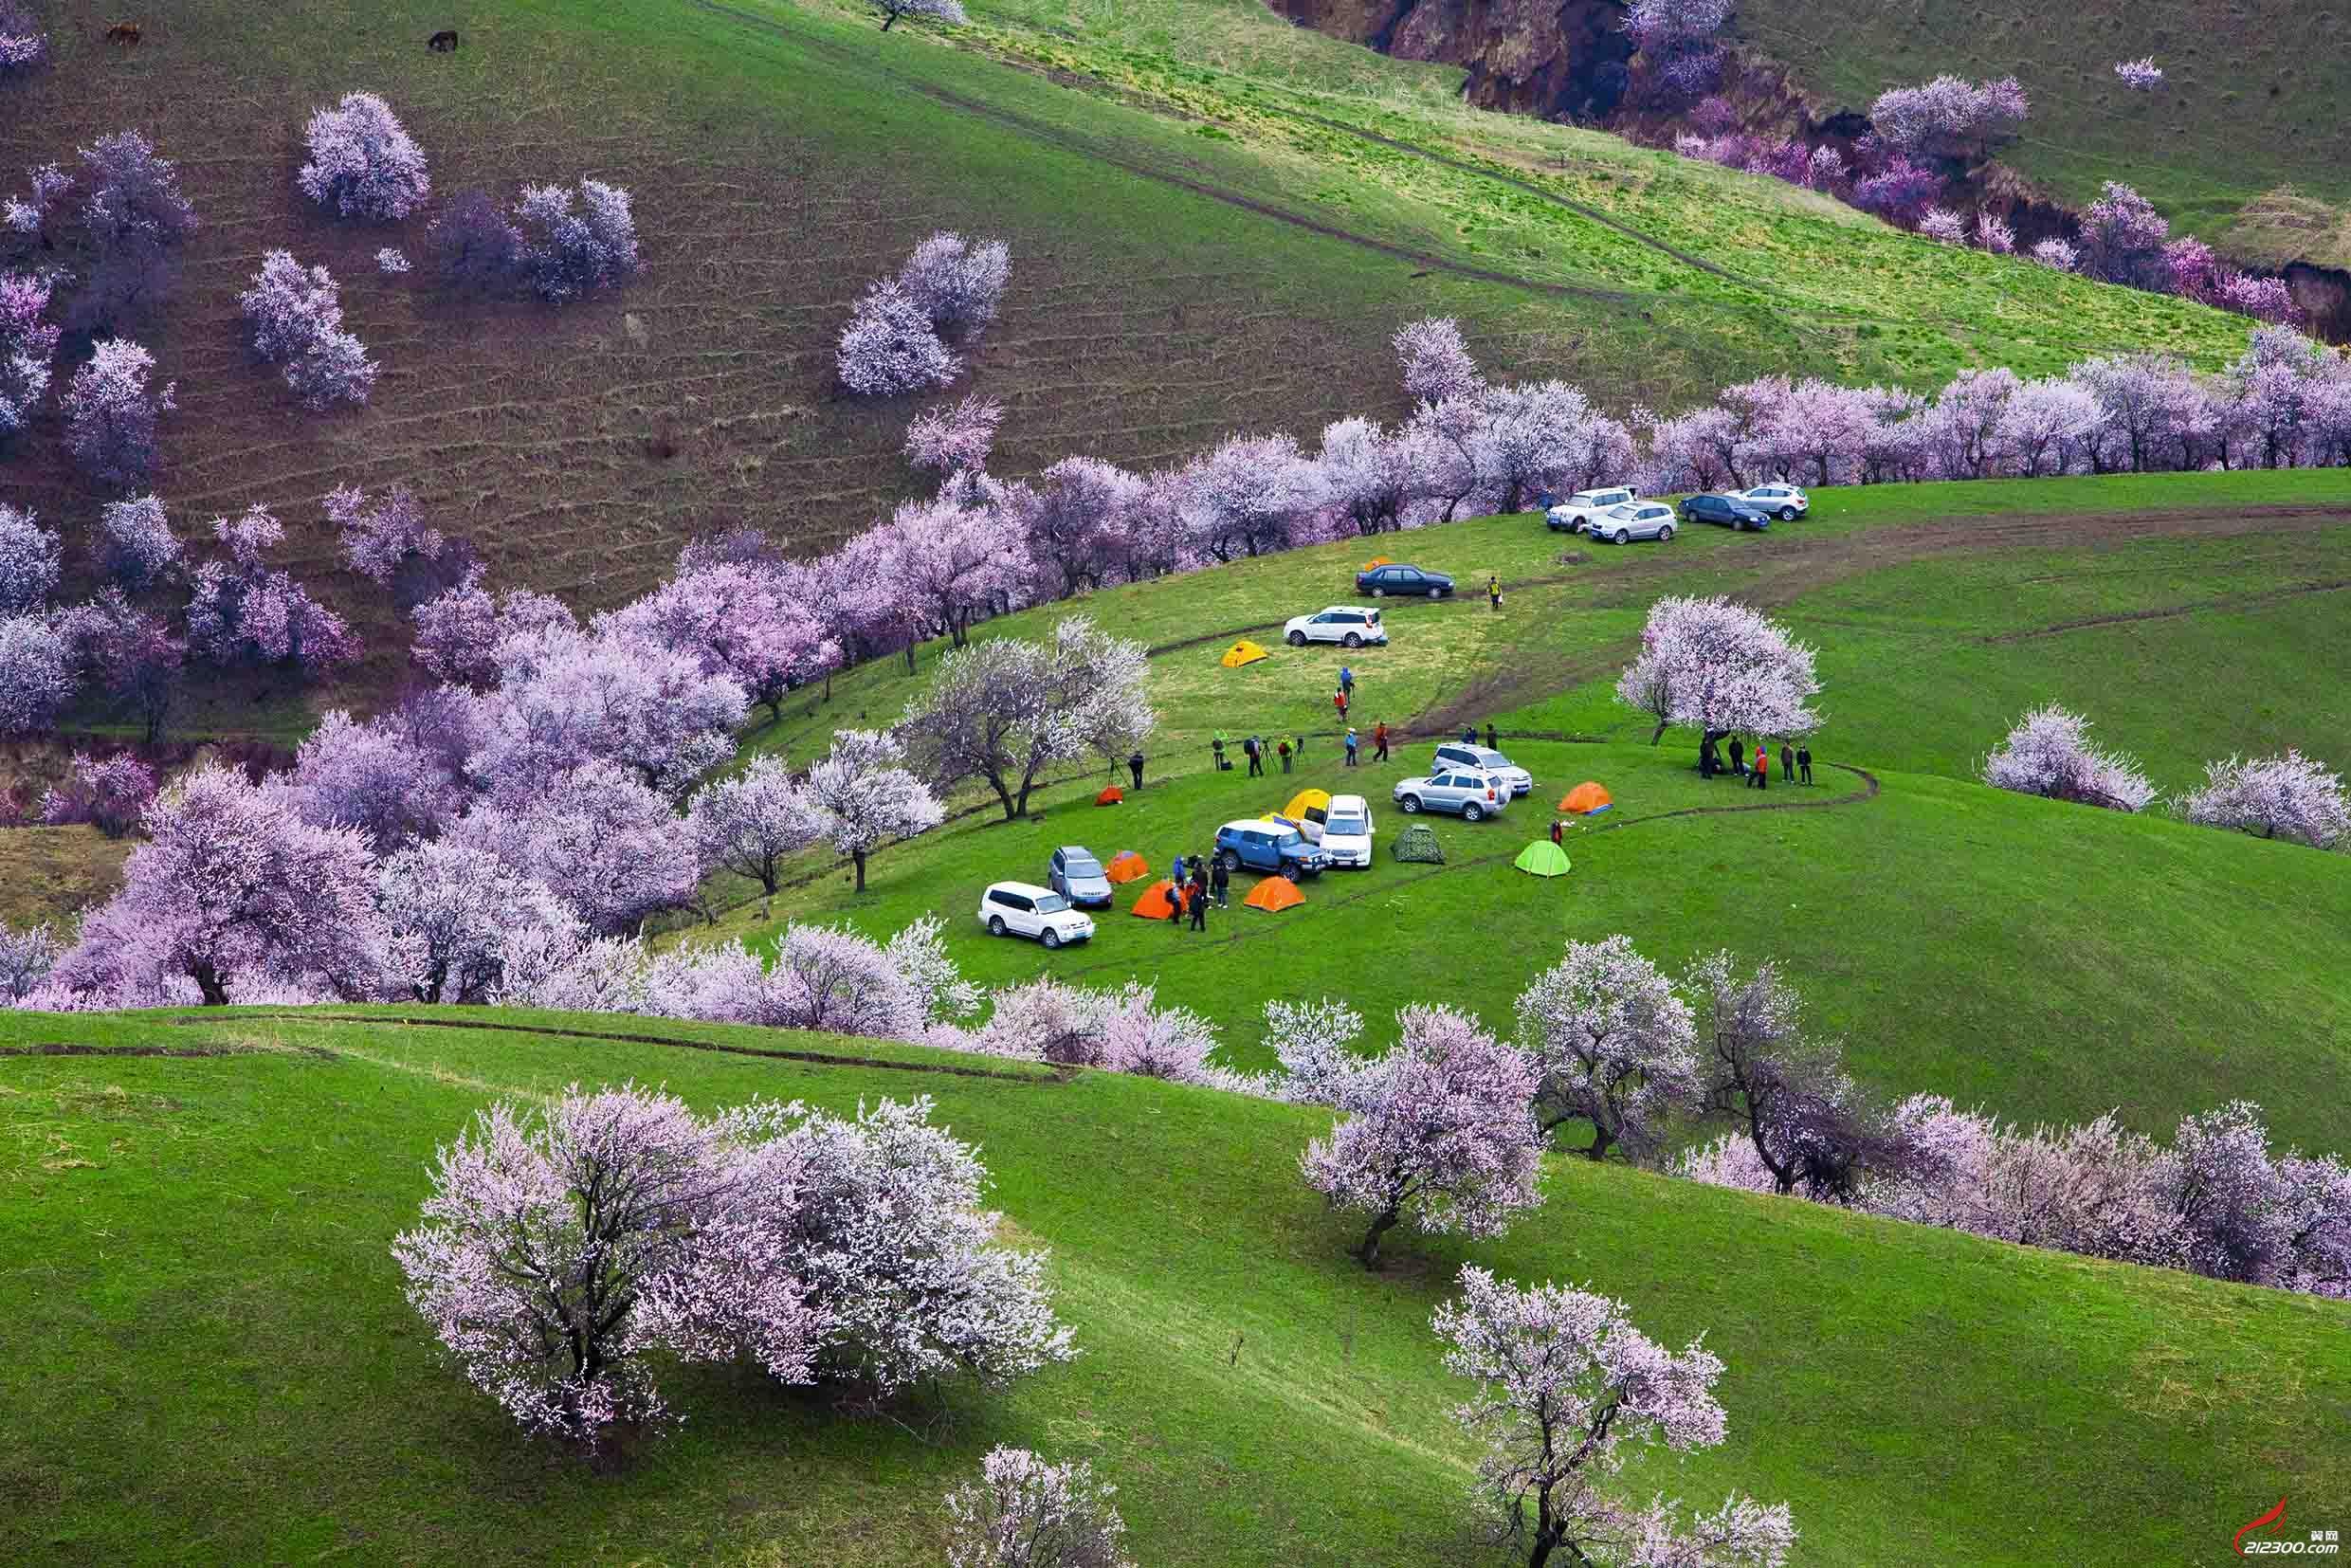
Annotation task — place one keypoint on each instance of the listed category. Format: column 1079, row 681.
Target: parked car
column 1572, row 515
column 1458, row 754
column 1076, row 875
column 1275, row 847
column 1024, row 909
column 1345, row 624
column 1725, row 511
column 1782, row 500
column 1380, row 581
column 1347, row 831
column 1471, row 795
column 1635, row 519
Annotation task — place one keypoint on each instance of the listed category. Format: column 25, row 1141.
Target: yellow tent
column 1274, row 894
column 1242, row 652
column 1304, row 801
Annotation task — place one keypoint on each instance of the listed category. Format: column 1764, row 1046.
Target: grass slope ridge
column 204, row 1240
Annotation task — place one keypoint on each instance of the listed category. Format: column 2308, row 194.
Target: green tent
column 1543, row 858
column 1418, row 842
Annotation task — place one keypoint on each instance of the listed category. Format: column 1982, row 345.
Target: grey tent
column 1418, row 842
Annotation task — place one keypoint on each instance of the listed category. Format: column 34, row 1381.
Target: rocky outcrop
column 1560, row 61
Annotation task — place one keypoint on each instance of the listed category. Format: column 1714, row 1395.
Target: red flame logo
column 2275, row 1519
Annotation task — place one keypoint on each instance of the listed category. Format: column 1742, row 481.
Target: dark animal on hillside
column 124, row 33
column 444, row 42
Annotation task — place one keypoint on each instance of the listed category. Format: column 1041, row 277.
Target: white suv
column 1024, row 909
column 1635, row 519
column 1782, row 499
column 1459, row 755
column 1347, row 831
column 1345, row 624
column 1576, row 513
column 1472, row 796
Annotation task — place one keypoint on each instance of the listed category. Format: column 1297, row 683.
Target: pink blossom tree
column 954, row 439
column 751, row 824
column 111, row 412
column 2148, row 403
column 27, row 344
column 26, row 959
column 1369, row 475
column 451, row 916
column 956, row 283
column 370, row 775
column 459, row 633
column 111, row 794
column 244, row 609
column 1439, row 1133
column 746, row 622
column 1006, row 709
column 388, row 541
column 575, row 242
column 1941, row 222
column 1248, row 496
column 36, row 674
column 128, row 653
column 474, row 247
column 23, row 45
column 956, row 563
column 1025, row 1513
column 2046, row 426
column 546, row 1232
column 2123, row 238
column 232, row 887
column 363, row 162
column 2049, row 753
column 1897, row 189
column 134, row 222
column 2141, row 75
column 1718, row 667
column 31, row 561
column 2058, row 254
column 615, row 698
column 139, row 545
column 1437, row 366
column 612, row 847
column 294, row 319
column 1611, row 1043
column 2292, row 795
column 890, row 347
column 1993, row 234
column 1075, row 525
column 860, row 796
column 1568, row 1391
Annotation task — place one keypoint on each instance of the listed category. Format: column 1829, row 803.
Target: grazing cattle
column 124, row 33
column 444, row 42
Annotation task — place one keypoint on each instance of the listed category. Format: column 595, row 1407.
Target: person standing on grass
column 1351, row 746
column 1219, row 879
column 1493, row 591
column 1198, row 903
column 1379, row 741
column 1558, row 831
column 1492, row 740
column 1339, row 700
column 1298, row 744
column 1216, row 749
column 1787, row 763
column 1738, row 756
column 1175, row 905
column 1346, row 682
column 1762, row 766
column 1134, row 766
column 1468, row 735
column 1282, row 749
column 1804, row 761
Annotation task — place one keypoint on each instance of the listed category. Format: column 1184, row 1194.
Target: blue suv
column 1275, row 847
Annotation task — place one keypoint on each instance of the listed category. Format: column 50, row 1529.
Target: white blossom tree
column 2049, row 753
column 1611, row 1043
column 1718, row 667
column 2291, row 797
column 1025, row 1513
column 861, row 795
column 749, row 823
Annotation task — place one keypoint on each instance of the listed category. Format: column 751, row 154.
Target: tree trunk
column 1004, row 796
column 910, row 658
column 1659, row 733
column 209, row 981
column 889, row 21
column 857, row 858
column 1369, row 1251
column 1600, row 1142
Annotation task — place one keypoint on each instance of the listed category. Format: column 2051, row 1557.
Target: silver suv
column 1472, row 796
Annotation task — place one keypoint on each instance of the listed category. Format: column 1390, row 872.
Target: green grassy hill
column 2247, row 110
column 1210, row 233
column 213, row 1361
column 2047, row 960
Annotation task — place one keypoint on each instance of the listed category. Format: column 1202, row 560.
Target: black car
column 1383, row 580
column 1725, row 511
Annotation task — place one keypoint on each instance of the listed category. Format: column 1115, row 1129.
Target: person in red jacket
column 1763, row 765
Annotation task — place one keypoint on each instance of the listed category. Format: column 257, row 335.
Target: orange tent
column 1157, row 901
column 1586, row 798
column 1127, row 866
column 1110, row 797
column 1275, row 894
column 1376, row 562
